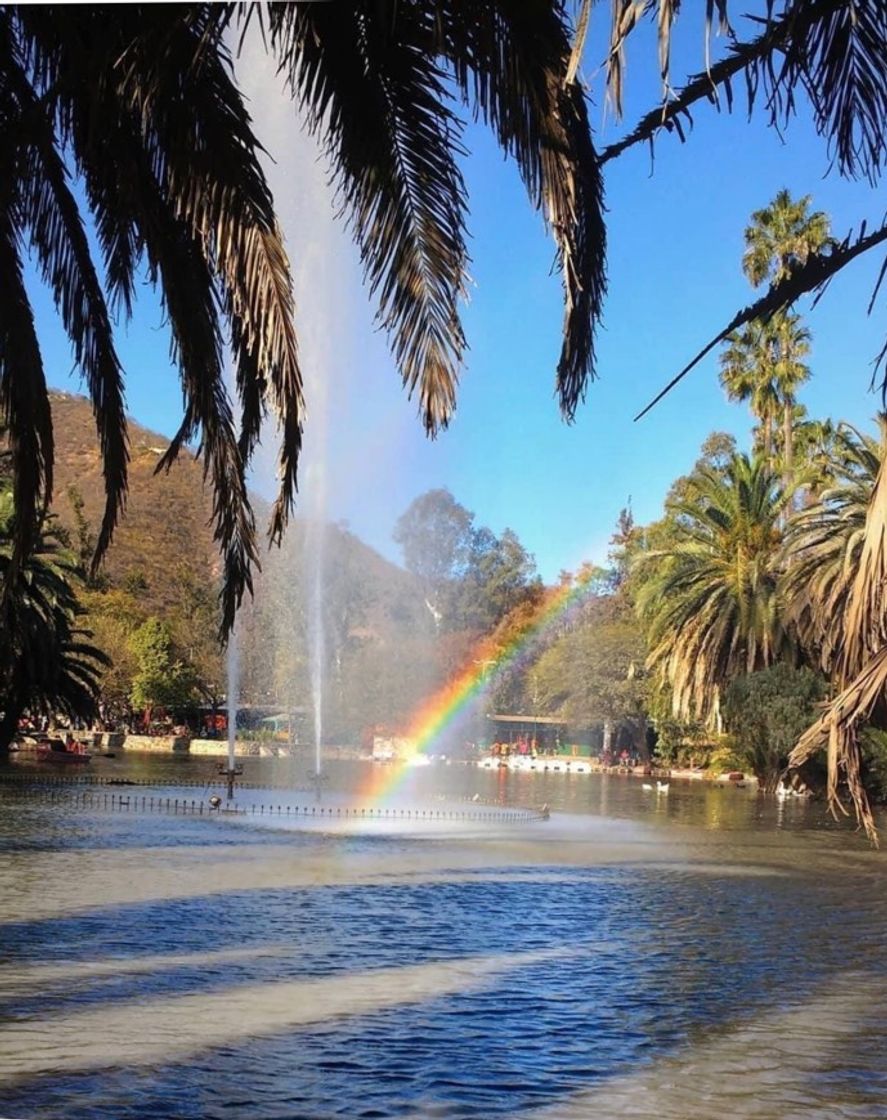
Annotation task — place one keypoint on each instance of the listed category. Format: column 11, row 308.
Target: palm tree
column 709, row 598
column 781, row 237
column 140, row 103
column 747, row 374
column 46, row 663
column 824, row 542
column 835, row 594
column 816, row 444
column 789, row 342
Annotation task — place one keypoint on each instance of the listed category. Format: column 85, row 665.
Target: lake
column 700, row 953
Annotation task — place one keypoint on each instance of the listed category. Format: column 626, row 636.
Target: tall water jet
column 232, row 710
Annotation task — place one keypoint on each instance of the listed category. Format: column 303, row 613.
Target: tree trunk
column 9, row 726
column 608, row 735
column 788, row 454
column 768, row 438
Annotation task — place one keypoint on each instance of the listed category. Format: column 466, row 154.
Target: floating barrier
column 78, row 798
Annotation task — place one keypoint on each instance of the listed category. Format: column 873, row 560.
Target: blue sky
column 675, row 242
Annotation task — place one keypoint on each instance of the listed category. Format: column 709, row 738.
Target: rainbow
column 484, row 666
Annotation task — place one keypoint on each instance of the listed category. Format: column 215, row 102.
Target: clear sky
column 675, row 242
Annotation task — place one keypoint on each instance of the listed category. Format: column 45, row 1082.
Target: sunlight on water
column 617, row 959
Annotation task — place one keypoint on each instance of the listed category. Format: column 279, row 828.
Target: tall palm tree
column 139, row 102
column 46, row 663
column 781, row 237
column 709, row 599
column 747, row 374
column 789, row 341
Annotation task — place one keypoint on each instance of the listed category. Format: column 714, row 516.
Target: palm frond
column 814, row 275
column 24, row 405
column 835, row 51
column 377, row 100
column 50, row 215
column 512, row 61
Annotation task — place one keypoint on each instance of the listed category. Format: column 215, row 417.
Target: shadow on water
column 595, row 966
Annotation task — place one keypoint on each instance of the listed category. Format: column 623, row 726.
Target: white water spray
column 303, row 202
column 232, row 704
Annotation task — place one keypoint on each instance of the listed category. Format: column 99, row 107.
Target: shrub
column 766, row 712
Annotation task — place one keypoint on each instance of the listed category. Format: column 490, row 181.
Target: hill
column 163, row 563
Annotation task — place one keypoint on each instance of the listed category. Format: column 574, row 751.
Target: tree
column 436, row 536
column 835, row 51
column 181, row 194
column 747, row 374
column 837, row 588
column 589, row 677
column 163, row 680
column 782, row 237
column 708, row 598
column 791, row 344
column 766, row 712
column 47, row 665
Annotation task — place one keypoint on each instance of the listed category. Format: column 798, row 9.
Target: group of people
column 525, row 747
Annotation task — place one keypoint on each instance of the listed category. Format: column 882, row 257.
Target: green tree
column 47, row 665
column 766, row 712
column 590, row 676
column 180, row 196
column 435, row 534
column 708, row 598
column 162, row 680
column 747, row 374
column 791, row 344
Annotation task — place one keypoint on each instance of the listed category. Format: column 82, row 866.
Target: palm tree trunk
column 768, row 437
column 788, row 453
column 9, row 726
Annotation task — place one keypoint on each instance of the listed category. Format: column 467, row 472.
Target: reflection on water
column 703, row 954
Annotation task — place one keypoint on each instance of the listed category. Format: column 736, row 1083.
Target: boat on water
column 62, row 750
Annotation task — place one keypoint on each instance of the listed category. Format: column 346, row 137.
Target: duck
column 646, row 787
column 662, row 787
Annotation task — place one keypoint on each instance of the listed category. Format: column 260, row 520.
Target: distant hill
column 167, row 519
column 379, row 635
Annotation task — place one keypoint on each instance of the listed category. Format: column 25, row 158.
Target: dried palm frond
column 858, row 654
column 835, row 50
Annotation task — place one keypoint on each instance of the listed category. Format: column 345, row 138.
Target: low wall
column 161, row 744
column 218, row 748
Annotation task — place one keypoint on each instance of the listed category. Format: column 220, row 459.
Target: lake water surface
column 698, row 954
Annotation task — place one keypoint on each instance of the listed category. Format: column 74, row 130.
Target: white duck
column 662, row 787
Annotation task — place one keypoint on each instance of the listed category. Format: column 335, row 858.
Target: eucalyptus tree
column 47, row 665
column 709, row 597
column 139, row 103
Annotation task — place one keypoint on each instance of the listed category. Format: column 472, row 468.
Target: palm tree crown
column 709, row 599
column 781, row 237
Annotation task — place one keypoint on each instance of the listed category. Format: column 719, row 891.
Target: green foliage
column 161, row 679
column 470, row 577
column 46, row 662
column 767, row 712
column 874, row 754
column 590, row 676
column 708, row 597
